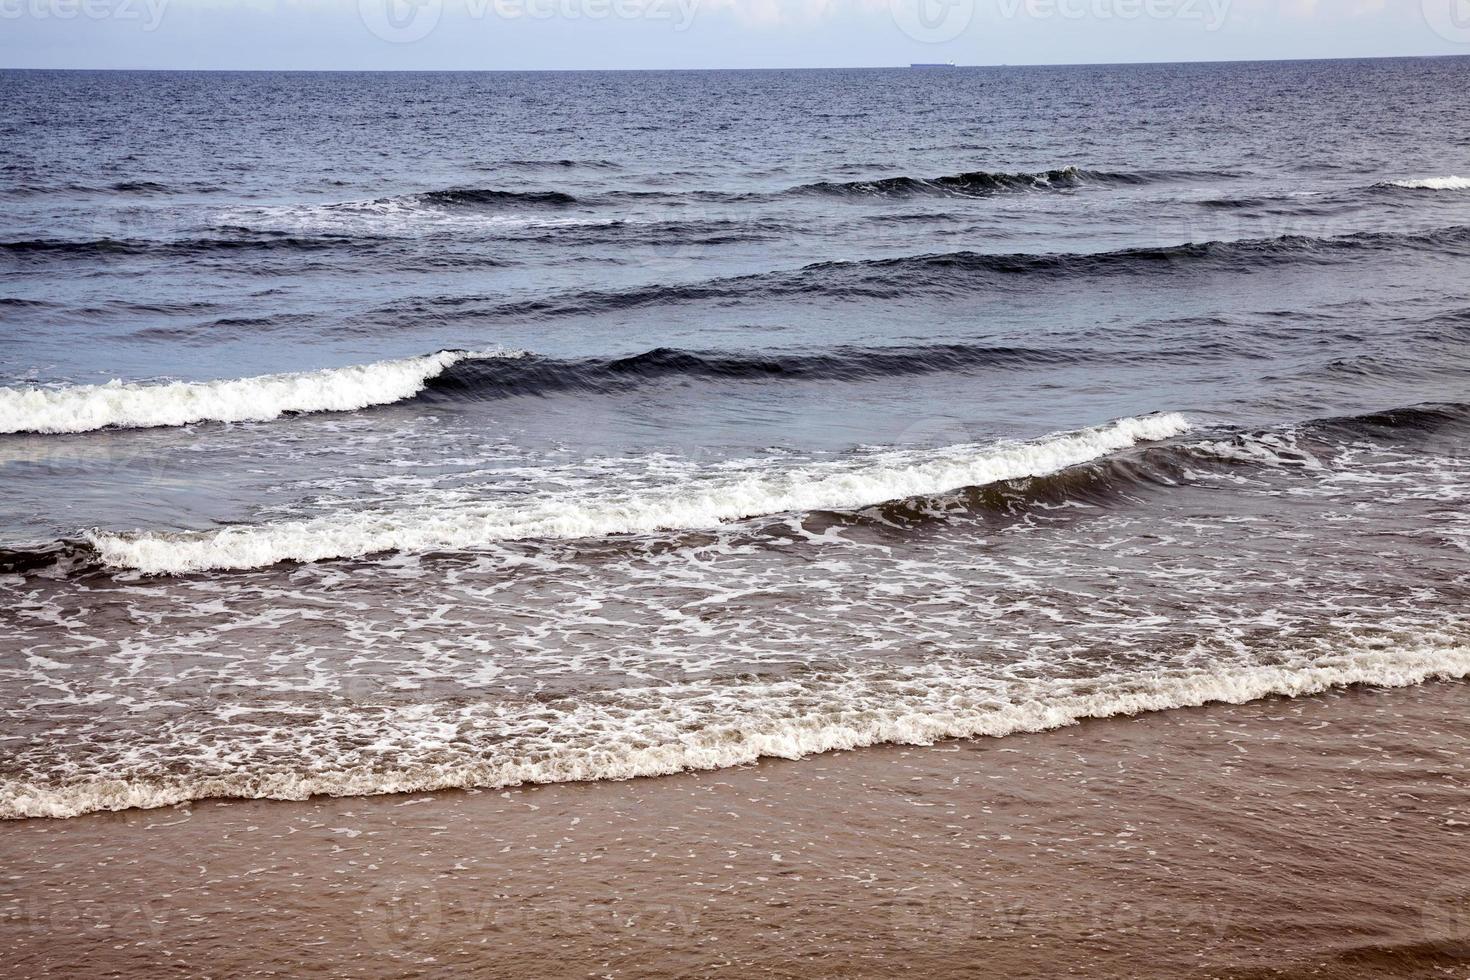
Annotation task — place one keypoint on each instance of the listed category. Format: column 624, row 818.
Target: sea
column 367, row 433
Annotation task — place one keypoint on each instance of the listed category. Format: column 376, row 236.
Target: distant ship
column 931, row 64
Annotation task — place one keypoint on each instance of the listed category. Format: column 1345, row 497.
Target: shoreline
column 1318, row 836
column 910, row 726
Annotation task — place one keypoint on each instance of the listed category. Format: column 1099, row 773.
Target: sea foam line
column 702, row 500
column 84, row 408
column 944, row 711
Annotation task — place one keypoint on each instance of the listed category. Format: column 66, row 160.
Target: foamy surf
column 668, row 733
column 84, row 408
column 410, row 214
column 695, row 500
column 1431, row 184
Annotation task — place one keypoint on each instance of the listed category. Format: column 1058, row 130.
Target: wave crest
column 539, row 375
column 479, row 197
column 976, row 183
column 1430, row 184
column 701, row 500
column 84, row 408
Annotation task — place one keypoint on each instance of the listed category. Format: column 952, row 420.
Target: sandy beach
column 1318, row 837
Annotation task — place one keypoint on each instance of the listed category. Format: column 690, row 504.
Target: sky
column 594, row 34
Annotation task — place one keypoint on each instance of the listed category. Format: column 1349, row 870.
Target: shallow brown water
column 1319, row 837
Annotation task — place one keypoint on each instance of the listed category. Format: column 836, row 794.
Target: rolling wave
column 248, row 241
column 1104, row 481
column 663, row 234
column 1129, row 474
column 465, row 204
column 83, row 408
column 532, row 375
column 1398, row 425
column 497, row 209
column 145, row 188
column 948, row 272
column 698, row 499
column 560, row 164
column 977, row 183
column 1327, row 202
column 475, row 197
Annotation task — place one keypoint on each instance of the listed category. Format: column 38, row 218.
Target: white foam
column 1433, row 184
column 786, row 721
column 389, row 216
column 83, row 408
column 680, row 500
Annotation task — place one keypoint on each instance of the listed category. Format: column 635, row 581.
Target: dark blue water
column 375, row 431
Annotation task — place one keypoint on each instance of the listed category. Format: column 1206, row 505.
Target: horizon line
column 905, row 66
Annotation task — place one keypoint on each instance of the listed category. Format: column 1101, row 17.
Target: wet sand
column 1321, row 837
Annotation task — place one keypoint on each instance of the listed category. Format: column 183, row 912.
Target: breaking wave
column 892, row 489
column 660, row 731
column 1430, row 184
column 83, row 408
column 697, row 499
